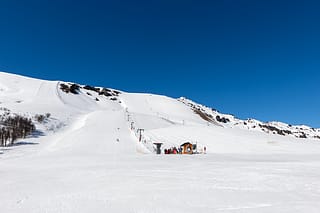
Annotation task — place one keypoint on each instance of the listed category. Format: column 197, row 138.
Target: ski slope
column 88, row 159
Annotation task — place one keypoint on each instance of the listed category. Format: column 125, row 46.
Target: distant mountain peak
column 272, row 127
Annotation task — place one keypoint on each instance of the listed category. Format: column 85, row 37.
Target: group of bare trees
column 13, row 128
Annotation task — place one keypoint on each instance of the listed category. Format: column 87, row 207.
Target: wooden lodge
column 187, row 148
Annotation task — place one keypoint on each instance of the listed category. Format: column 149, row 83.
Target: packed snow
column 88, row 156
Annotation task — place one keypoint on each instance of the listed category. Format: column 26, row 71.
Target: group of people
column 173, row 150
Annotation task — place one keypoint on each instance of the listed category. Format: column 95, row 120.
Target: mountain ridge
column 272, row 127
column 42, row 96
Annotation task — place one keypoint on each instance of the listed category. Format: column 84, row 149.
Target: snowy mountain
column 161, row 119
column 84, row 155
column 230, row 121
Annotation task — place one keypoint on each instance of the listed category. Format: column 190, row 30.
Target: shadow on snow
column 36, row 134
column 23, row 143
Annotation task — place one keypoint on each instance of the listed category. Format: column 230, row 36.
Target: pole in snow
column 140, row 134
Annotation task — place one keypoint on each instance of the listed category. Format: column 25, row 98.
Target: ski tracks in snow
column 78, row 124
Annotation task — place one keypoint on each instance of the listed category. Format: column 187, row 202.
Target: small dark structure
column 158, row 145
column 187, row 148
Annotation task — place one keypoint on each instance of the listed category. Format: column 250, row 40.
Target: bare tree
column 13, row 128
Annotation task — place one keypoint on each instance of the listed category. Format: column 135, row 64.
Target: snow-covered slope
column 184, row 118
column 230, row 121
column 86, row 156
column 162, row 119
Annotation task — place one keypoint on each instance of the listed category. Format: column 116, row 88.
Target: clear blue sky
column 258, row 59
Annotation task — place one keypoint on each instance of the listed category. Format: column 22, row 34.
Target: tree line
column 13, row 128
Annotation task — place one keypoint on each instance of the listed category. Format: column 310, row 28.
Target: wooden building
column 187, row 148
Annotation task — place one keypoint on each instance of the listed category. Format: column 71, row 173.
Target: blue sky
column 253, row 59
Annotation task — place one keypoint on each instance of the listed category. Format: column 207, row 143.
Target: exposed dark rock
column 65, row 88
column 75, row 89
column 203, row 115
column 275, row 129
column 303, row 135
column 106, row 92
column 222, row 119
column 95, row 89
column 116, row 93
